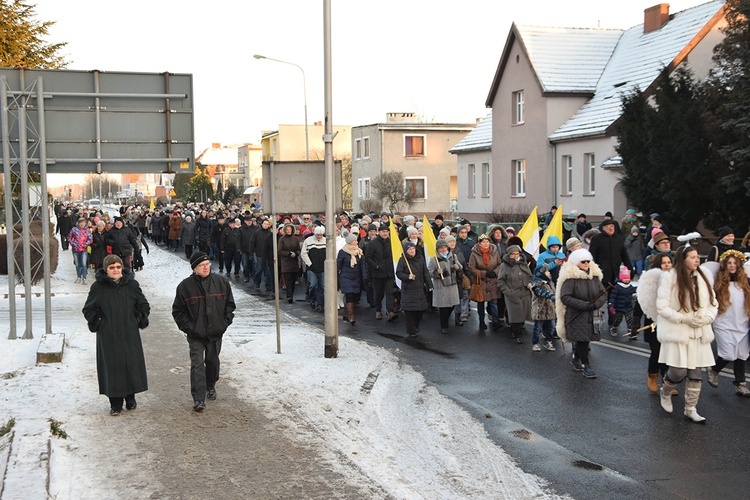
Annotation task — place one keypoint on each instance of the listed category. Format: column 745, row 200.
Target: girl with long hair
column 732, row 321
column 686, row 307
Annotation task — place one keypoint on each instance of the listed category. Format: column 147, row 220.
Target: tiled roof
column 478, row 139
column 568, row 59
column 637, row 61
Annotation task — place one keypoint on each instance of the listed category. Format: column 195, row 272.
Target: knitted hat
column 441, row 243
column 608, row 222
column 624, row 273
column 445, row 231
column 581, row 215
column 577, row 256
column 350, row 238
column 120, row 219
column 723, row 231
column 197, row 258
column 409, row 245
column 572, row 244
column 513, row 248
column 608, row 214
column 111, row 259
column 319, row 230
column 510, row 231
column 449, row 238
column 482, row 236
column 372, row 227
column 438, row 216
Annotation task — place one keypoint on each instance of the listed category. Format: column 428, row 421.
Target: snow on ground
column 364, row 406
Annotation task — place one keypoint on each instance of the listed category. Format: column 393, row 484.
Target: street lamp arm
column 304, row 90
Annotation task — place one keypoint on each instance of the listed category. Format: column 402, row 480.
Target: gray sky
column 434, row 57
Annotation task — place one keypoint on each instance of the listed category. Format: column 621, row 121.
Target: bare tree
column 390, row 187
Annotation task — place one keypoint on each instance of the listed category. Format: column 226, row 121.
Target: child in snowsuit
column 543, row 308
column 621, row 304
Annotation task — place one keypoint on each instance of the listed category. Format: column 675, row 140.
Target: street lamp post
column 304, row 90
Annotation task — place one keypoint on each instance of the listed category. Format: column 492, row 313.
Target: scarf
column 354, row 251
column 485, row 255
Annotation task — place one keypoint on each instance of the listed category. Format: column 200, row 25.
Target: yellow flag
column 396, row 249
column 428, row 238
column 555, row 227
column 152, row 206
column 529, row 234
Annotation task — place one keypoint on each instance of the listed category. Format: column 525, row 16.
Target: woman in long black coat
column 580, row 296
column 415, row 281
column 115, row 309
column 99, row 245
column 352, row 274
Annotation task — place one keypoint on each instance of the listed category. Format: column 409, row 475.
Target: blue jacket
column 547, row 257
column 621, row 297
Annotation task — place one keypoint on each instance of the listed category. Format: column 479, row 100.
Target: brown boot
column 350, row 312
column 653, row 384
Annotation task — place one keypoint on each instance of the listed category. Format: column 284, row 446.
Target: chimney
column 655, row 17
column 400, row 118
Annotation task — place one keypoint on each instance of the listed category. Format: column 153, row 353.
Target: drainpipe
column 554, row 172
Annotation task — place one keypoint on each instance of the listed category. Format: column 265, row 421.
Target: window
column 589, row 173
column 472, row 180
column 357, row 149
column 366, row 188
column 414, row 145
column 519, row 177
column 417, row 186
column 365, row 147
column 567, row 174
column 485, row 180
column 363, row 188
column 518, row 107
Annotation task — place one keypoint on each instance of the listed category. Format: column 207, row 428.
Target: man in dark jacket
column 203, row 308
column 263, row 258
column 609, row 252
column 230, row 247
column 123, row 242
column 64, row 224
column 246, row 235
column 379, row 260
column 216, row 231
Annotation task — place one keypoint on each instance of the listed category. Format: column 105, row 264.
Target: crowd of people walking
column 618, row 271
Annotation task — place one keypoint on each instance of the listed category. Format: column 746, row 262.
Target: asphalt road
column 593, row 439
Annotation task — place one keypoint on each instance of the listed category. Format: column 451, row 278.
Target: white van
column 93, row 204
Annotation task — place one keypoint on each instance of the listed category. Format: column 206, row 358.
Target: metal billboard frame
column 68, row 121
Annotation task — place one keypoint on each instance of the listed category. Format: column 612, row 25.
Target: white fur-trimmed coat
column 682, row 345
column 581, row 288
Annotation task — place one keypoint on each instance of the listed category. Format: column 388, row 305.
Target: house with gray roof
column 556, row 99
column 474, row 179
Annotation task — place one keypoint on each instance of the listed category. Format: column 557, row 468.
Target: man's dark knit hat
column 197, row 258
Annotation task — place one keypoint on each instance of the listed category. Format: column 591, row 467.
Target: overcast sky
column 433, row 57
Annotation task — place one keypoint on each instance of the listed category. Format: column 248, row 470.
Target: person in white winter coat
column 686, row 307
column 733, row 320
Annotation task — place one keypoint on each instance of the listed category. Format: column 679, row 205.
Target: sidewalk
column 289, row 425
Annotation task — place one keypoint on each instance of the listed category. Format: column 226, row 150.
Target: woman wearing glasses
column 116, row 309
column 580, row 296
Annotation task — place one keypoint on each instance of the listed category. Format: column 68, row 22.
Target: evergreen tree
column 230, row 193
column 22, row 36
column 666, row 161
column 728, row 120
